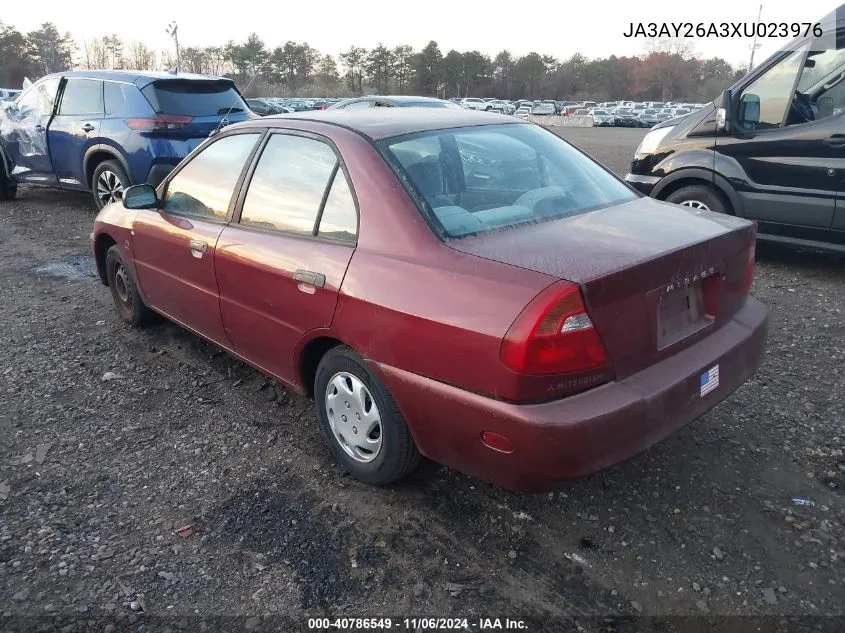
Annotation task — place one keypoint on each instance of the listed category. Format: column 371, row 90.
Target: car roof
column 140, row 78
column 381, row 123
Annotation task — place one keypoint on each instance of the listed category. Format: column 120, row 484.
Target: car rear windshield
column 482, row 178
column 193, row 97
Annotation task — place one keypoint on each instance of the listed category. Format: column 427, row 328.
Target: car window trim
column 261, row 133
column 340, row 166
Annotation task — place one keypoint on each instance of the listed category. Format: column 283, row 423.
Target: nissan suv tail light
column 159, row 123
column 554, row 335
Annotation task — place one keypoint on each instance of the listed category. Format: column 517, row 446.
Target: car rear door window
column 289, row 185
column 204, row 186
column 82, row 97
column 114, row 96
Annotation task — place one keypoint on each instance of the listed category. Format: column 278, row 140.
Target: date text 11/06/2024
column 724, row 29
column 416, row 624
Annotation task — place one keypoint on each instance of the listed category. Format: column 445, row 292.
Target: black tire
column 398, row 455
column 7, row 191
column 124, row 290
column 696, row 195
column 109, row 175
column 8, row 188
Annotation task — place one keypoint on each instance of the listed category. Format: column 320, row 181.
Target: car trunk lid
column 655, row 277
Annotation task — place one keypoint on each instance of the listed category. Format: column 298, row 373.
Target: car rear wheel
column 7, row 191
column 124, row 290
column 108, row 183
column 8, row 188
column 361, row 422
column 698, row 197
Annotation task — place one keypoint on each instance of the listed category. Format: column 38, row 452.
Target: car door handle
column 198, row 248
column 318, row 280
column 836, row 140
column 87, row 127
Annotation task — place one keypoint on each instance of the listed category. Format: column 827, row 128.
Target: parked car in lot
column 625, row 118
column 770, row 149
column 503, row 107
column 471, row 103
column 403, row 101
column 648, row 118
column 523, row 111
column 262, row 107
column 602, row 118
column 544, row 109
column 102, row 131
column 292, row 242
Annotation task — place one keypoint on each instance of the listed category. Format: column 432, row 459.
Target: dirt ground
column 113, row 438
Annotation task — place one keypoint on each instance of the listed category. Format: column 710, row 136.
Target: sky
column 558, row 28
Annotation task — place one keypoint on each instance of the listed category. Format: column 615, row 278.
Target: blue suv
column 102, row 131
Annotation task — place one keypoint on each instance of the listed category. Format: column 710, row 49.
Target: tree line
column 667, row 70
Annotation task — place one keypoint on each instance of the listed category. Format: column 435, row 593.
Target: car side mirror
column 749, row 111
column 140, row 197
column 825, row 107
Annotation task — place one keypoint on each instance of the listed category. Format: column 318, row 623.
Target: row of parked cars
column 635, row 115
column 610, row 113
column 265, row 106
column 607, row 114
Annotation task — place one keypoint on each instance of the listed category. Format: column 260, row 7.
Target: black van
column 770, row 149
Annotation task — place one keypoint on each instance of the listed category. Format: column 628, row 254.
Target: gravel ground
column 111, row 439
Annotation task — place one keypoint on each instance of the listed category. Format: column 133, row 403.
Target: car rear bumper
column 568, row 438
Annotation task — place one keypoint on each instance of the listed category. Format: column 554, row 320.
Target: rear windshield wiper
column 229, row 110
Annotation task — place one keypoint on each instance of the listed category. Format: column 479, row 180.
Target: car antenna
column 229, row 111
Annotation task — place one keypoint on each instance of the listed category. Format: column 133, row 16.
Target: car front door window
column 764, row 103
column 205, row 185
column 39, row 99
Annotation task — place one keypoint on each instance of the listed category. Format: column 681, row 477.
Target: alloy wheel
column 695, row 204
column 353, row 416
column 109, row 187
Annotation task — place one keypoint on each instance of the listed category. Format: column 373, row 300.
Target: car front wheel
column 698, row 197
column 108, row 183
column 124, row 290
column 361, row 422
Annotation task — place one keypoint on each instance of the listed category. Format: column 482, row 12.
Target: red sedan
column 452, row 284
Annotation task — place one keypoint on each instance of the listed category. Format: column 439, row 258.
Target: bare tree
column 141, row 57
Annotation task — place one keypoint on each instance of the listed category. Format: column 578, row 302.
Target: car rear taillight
column 325, row 106
column 161, row 122
column 748, row 280
column 554, row 335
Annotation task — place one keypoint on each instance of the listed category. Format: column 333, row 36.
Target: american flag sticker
column 709, row 380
